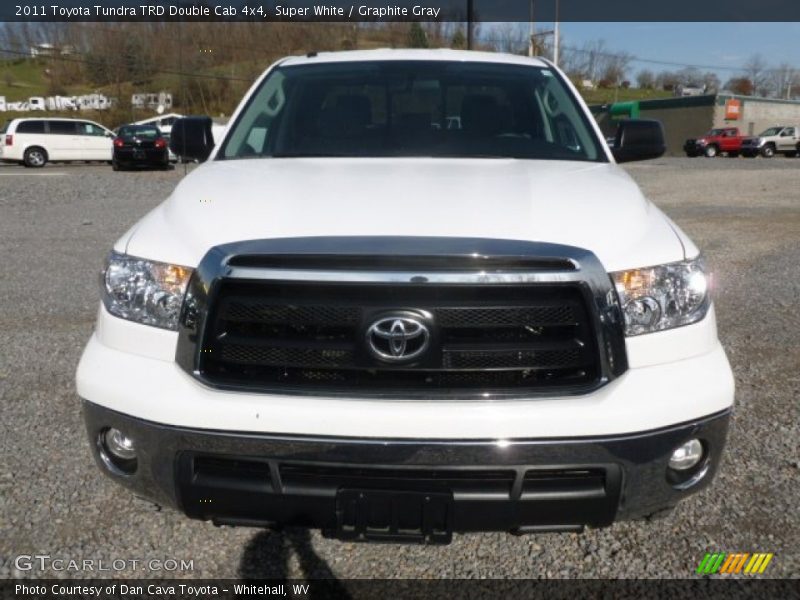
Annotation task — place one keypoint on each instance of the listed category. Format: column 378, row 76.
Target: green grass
column 608, row 96
column 25, row 77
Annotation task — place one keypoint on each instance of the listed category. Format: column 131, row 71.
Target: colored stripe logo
column 734, row 563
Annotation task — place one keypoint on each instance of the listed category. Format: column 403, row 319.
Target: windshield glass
column 413, row 108
column 715, row 132
column 145, row 132
column 771, row 131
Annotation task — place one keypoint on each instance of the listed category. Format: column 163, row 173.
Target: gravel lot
column 57, row 224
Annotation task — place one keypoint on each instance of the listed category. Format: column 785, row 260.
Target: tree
column 511, row 39
column 711, row 82
column 417, row 37
column 783, row 80
column 740, row 85
column 645, row 80
column 459, row 41
column 755, row 70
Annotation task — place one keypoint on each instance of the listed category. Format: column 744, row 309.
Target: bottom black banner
column 397, row 589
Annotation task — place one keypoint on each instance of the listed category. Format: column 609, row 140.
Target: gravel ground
column 57, row 224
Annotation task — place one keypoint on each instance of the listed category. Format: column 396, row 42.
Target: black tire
column 711, row 151
column 691, row 154
column 35, row 157
column 768, row 151
column 733, row 155
column 115, row 166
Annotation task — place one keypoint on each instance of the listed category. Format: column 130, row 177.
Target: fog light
column 117, row 451
column 686, row 455
column 119, row 445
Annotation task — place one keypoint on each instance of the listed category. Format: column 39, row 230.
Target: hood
column 595, row 206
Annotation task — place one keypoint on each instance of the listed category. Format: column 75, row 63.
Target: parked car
column 139, row 146
column 782, row 139
column 393, row 329
column 35, row 142
column 726, row 140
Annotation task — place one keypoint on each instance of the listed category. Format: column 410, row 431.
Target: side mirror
column 191, row 138
column 638, row 139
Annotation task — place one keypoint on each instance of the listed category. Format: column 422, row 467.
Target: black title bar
column 400, row 10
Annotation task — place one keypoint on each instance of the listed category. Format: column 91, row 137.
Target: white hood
column 590, row 205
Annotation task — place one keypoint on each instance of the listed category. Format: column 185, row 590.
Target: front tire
column 710, row 151
column 35, row 157
column 768, row 151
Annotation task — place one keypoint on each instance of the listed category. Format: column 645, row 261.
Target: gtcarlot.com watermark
column 45, row 562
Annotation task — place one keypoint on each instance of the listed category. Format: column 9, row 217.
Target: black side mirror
column 638, row 139
column 191, row 138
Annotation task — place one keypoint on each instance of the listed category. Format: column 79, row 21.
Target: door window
column 86, row 128
column 62, row 127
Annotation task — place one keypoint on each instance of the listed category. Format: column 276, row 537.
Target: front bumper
column 522, row 485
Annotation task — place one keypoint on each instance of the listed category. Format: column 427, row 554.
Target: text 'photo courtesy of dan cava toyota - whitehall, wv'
column 409, row 293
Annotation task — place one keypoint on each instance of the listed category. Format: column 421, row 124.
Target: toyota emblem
column 398, row 338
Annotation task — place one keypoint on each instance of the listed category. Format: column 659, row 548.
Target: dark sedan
column 140, row 146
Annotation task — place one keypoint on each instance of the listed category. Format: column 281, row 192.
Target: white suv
column 35, row 142
column 410, row 293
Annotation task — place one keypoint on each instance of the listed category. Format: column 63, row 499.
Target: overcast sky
column 724, row 45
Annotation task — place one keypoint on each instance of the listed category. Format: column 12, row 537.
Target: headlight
column 144, row 291
column 663, row 297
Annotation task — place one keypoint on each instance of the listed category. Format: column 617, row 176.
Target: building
column 46, row 49
column 692, row 116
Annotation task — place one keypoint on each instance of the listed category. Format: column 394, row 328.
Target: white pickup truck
column 410, row 293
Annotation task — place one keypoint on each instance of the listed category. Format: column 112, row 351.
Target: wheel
column 710, row 151
column 768, row 151
column 115, row 166
column 35, row 157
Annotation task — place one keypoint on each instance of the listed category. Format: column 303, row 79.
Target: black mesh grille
column 313, row 336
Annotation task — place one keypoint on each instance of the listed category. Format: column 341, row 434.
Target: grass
column 25, row 77
column 608, row 96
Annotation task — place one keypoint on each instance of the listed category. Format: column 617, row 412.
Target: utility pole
column 531, row 33
column 555, row 38
column 470, row 30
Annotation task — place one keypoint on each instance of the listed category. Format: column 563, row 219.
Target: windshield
column 413, row 108
column 715, row 132
column 146, row 132
column 771, row 131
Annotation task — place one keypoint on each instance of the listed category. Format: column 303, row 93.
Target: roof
column 443, row 54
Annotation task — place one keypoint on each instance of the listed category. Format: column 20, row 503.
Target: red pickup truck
column 716, row 141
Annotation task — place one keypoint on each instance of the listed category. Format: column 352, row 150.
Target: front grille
column 284, row 336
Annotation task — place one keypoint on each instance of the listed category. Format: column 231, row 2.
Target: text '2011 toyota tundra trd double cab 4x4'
column 409, row 293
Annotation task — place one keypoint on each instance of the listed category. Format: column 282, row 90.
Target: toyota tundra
column 408, row 293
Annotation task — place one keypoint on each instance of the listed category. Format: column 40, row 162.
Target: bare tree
column 783, row 78
column 755, row 69
column 510, row 37
column 645, row 79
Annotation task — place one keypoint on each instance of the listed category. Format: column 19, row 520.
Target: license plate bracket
column 394, row 516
